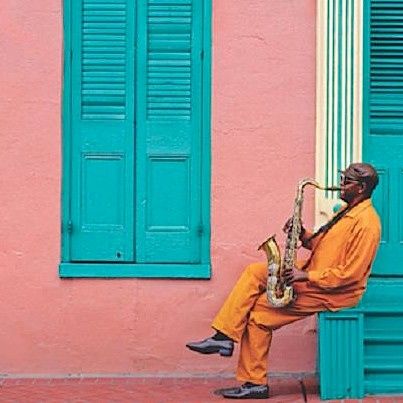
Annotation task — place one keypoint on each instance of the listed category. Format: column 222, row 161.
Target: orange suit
column 338, row 271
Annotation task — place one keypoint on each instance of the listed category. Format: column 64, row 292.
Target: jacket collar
column 359, row 208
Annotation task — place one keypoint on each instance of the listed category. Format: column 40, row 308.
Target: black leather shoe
column 247, row 391
column 219, row 392
column 212, row 346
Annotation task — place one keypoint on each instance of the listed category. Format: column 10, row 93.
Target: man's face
column 350, row 188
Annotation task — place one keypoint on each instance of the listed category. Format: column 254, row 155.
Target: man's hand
column 288, row 225
column 294, row 274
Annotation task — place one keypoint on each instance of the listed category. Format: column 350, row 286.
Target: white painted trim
column 338, row 102
column 359, row 77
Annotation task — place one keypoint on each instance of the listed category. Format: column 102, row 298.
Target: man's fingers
column 287, row 225
column 288, row 276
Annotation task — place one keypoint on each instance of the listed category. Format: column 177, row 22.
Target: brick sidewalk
column 149, row 390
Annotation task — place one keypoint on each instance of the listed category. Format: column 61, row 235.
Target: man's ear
column 363, row 187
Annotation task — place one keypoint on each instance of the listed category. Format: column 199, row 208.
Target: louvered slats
column 386, row 65
column 341, row 354
column 169, row 62
column 103, row 69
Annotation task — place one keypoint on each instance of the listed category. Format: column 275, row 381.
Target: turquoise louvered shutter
column 102, row 125
column 169, row 220
column 386, row 66
column 383, row 137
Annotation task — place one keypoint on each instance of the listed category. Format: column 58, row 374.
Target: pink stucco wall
column 262, row 143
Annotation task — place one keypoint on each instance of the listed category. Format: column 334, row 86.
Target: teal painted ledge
column 119, row 270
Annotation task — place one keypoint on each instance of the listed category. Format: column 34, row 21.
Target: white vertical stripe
column 321, row 101
column 335, row 89
column 321, row 91
column 330, row 96
column 348, row 78
column 358, row 81
column 344, row 47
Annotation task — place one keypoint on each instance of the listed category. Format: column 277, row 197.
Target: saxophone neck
column 314, row 183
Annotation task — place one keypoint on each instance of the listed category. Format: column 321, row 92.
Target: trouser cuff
column 219, row 328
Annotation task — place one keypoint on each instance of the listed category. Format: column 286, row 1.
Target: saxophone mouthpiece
column 333, row 188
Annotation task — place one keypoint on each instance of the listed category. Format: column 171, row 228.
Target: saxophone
column 279, row 293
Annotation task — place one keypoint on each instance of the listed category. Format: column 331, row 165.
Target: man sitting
column 334, row 277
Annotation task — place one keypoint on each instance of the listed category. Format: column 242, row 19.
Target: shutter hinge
column 200, row 230
column 202, row 55
column 69, row 226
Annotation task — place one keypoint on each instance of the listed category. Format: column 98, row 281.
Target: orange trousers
column 247, row 318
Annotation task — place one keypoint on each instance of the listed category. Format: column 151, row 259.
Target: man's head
column 358, row 182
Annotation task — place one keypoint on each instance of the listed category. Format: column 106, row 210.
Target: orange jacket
column 341, row 262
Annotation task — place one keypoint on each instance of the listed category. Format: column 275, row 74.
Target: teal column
column 341, row 355
column 338, row 143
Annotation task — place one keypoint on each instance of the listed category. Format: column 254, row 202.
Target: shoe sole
column 224, row 352
column 219, row 392
column 261, row 396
